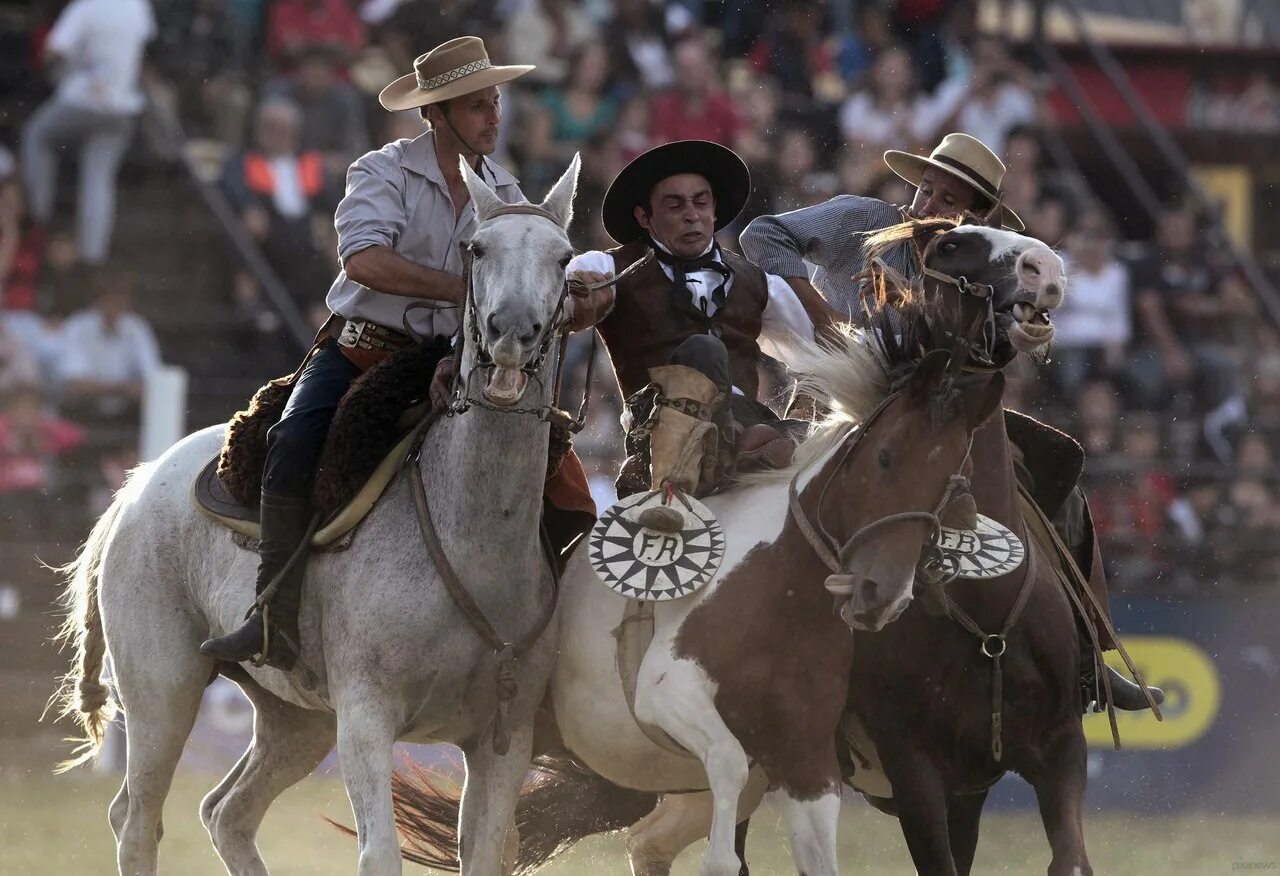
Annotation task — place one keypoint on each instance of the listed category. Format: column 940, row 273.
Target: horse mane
column 876, row 245
column 851, row 370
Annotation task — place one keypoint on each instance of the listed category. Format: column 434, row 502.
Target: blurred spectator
column 797, row 179
column 113, row 467
column 22, row 245
column 108, row 353
column 697, row 108
column 277, row 189
column 568, row 116
column 31, row 440
column 793, row 51
column 97, row 45
column 1180, row 309
column 992, row 100
column 887, row 113
column 333, row 120
column 1098, row 412
column 296, row 25
column 1136, row 503
column 546, row 33
column 1052, row 216
column 199, row 55
column 637, row 44
column 870, row 37
column 18, row 365
column 920, row 24
column 1092, row 327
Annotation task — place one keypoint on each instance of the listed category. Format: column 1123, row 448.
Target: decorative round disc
column 643, row 563
column 989, row 551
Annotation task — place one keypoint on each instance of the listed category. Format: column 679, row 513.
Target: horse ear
column 559, row 201
column 980, row 404
column 485, row 199
column 929, row 374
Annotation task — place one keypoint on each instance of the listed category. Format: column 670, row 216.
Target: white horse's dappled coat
column 392, row 656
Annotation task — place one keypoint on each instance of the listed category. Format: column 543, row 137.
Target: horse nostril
column 867, row 591
column 492, row 325
column 1031, row 268
column 1053, row 290
column 537, row 328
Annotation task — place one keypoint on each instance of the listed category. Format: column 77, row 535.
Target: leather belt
column 363, row 335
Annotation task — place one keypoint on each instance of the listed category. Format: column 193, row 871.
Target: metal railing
column 1170, row 152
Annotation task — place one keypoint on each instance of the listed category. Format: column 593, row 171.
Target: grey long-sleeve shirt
column 829, row 236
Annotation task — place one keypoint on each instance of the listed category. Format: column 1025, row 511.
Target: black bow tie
column 681, row 267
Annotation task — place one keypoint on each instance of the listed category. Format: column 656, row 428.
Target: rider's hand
column 594, row 306
column 442, row 382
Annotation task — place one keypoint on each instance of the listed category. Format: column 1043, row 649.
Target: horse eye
column 476, row 251
column 564, row 262
column 947, row 247
column 884, row 457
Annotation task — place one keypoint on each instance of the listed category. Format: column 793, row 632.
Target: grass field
column 59, row 826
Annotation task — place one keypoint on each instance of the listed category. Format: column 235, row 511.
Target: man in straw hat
column 960, row 176
column 684, row 331
column 405, row 212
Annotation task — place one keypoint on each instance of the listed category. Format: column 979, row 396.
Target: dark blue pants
column 294, row 443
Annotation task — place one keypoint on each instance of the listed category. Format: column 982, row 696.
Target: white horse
column 392, row 656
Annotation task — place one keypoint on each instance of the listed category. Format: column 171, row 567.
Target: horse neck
column 489, row 467
column 993, row 482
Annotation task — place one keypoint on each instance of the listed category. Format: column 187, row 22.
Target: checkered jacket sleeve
column 828, row 236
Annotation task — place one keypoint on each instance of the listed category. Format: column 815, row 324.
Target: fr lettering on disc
column 989, row 551
column 642, row 563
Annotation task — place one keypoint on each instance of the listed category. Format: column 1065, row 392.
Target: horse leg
column 487, row 841
column 214, row 797
column 921, row 803
column 963, row 814
column 1059, row 782
column 683, row 707
column 366, row 733
column 812, row 824
column 287, row 744
column 680, row 820
column 161, row 696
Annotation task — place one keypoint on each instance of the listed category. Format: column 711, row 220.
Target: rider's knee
column 705, row 353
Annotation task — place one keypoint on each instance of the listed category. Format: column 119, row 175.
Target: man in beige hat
column 405, row 212
column 961, row 175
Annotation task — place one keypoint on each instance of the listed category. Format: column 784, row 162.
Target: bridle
column 462, row 398
column 836, row 555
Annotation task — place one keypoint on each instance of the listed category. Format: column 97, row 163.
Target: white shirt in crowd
column 988, row 120
column 100, row 45
column 126, row 353
column 784, row 316
column 288, row 198
column 1095, row 312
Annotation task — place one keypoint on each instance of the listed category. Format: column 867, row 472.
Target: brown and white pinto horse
column 755, row 667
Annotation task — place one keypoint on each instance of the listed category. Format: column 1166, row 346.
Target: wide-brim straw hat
column 450, row 70
column 967, row 159
column 727, row 174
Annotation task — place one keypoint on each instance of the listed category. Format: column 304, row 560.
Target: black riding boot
column 1127, row 695
column 285, row 520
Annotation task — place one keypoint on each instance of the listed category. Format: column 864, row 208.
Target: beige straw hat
column 450, row 70
column 967, row 159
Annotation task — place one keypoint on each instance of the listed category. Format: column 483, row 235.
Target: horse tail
column 81, row 692
column 561, row 804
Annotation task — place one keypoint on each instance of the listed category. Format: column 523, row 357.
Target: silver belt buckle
column 351, row 332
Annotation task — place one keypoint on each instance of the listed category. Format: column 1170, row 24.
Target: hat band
column 458, row 73
column 983, row 189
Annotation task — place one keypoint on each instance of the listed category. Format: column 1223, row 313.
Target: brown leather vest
column 650, row 318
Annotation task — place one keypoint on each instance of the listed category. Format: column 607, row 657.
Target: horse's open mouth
column 505, row 385
column 1029, row 328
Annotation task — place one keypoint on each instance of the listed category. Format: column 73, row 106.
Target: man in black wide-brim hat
column 684, row 331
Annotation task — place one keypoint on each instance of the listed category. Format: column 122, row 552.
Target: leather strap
column 506, row 653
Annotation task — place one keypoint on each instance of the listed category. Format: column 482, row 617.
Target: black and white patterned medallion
column 989, row 551
column 642, row 563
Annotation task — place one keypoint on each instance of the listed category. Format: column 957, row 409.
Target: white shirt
column 784, row 316
column 289, row 199
column 988, row 120
column 126, row 354
column 1095, row 311
column 101, row 43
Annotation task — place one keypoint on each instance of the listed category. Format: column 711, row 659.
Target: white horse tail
column 81, row 693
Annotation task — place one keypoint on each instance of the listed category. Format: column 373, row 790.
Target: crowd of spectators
column 1153, row 346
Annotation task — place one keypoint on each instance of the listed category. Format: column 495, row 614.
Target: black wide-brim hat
column 724, row 170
